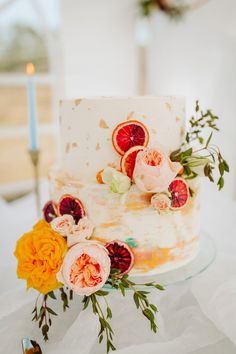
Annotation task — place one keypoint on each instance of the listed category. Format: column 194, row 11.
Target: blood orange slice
column 129, row 134
column 128, row 160
column 72, row 206
column 179, row 190
column 49, row 211
column 121, row 256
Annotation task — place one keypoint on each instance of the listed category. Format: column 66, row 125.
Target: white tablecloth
column 197, row 316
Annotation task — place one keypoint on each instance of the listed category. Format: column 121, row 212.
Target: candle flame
column 30, row 69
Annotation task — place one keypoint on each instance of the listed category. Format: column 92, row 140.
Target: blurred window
column 25, row 28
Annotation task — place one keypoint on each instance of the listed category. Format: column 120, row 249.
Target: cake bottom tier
column 160, row 241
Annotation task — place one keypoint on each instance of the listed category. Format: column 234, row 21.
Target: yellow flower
column 40, row 254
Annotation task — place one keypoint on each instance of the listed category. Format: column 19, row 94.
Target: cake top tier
column 87, row 125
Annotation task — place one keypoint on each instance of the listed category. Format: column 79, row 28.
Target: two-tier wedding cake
column 115, row 162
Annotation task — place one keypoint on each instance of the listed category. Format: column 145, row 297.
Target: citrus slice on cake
column 128, row 160
column 179, row 190
column 71, row 206
column 99, row 177
column 129, row 134
column 49, row 211
column 121, row 256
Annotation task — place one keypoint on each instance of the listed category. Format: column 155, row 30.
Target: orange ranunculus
column 40, row 254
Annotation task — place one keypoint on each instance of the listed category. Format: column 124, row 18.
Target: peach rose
column 86, row 268
column 80, row 232
column 62, row 224
column 154, row 171
column 160, row 201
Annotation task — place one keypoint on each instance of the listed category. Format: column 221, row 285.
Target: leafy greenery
column 171, row 10
column 105, row 327
column 207, row 156
column 122, row 283
column 199, row 123
column 43, row 314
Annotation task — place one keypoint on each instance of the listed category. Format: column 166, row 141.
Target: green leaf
column 102, row 293
column 52, row 295
column 197, row 106
column 226, row 166
column 136, row 300
column 100, row 338
column 221, row 167
column 159, row 287
column 154, row 308
column 122, row 289
column 148, row 313
column 187, row 153
column 45, row 330
column 209, row 139
column 109, row 313
column 51, row 311
column 220, row 183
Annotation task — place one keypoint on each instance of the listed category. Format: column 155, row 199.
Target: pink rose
column 80, row 232
column 63, row 224
column 154, row 171
column 160, row 201
column 86, row 268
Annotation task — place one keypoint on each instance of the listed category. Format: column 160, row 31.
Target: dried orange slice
column 129, row 134
column 179, row 190
column 49, row 211
column 128, row 160
column 121, row 256
column 99, row 177
column 71, row 206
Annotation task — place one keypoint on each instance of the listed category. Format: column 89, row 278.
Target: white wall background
column 195, row 58
column 99, row 48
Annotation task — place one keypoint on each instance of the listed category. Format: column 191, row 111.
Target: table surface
column 196, row 316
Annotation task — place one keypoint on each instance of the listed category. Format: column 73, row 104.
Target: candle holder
column 34, row 156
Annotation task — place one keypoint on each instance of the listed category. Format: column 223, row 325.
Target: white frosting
column 87, row 125
column 119, row 217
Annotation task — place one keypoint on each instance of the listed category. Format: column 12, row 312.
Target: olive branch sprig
column 122, row 283
column 43, row 313
column 208, row 156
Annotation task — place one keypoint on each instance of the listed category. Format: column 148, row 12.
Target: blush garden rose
column 154, row 171
column 86, row 268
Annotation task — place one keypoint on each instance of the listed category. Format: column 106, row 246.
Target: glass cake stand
column 204, row 258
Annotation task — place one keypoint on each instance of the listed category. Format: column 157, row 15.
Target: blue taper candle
column 32, row 112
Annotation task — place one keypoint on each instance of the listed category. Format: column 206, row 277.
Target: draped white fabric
column 197, row 316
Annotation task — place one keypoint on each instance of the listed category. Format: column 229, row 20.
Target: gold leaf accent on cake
column 103, row 124
column 130, row 115
column 177, row 119
column 168, row 106
column 98, row 146
column 74, row 145
column 78, row 101
column 182, row 131
column 67, row 148
column 113, row 165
